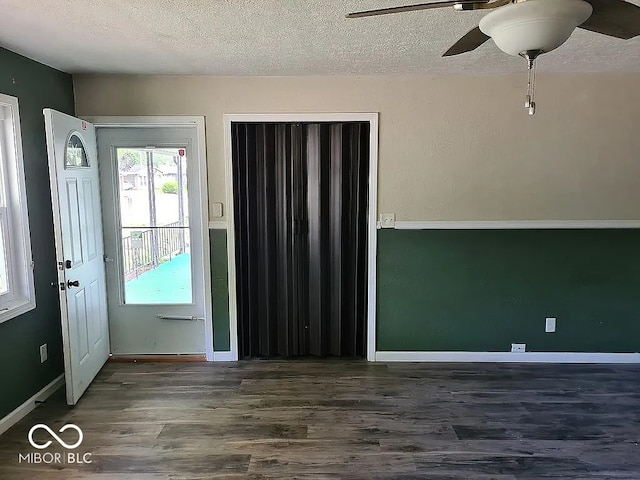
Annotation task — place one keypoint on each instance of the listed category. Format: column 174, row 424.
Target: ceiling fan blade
column 615, row 18
column 411, row 8
column 472, row 40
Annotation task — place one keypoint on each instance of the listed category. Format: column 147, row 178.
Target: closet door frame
column 229, row 223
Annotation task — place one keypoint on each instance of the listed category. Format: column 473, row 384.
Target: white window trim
column 22, row 297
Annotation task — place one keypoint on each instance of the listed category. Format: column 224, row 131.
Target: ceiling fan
column 529, row 28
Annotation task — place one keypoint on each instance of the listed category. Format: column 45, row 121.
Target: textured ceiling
column 273, row 37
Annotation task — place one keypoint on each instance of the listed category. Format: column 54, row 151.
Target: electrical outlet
column 550, row 325
column 518, row 347
column 43, row 353
column 388, row 220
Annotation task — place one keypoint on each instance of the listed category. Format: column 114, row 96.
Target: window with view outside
column 154, row 225
column 4, row 278
column 75, row 154
column 17, row 291
column 4, row 275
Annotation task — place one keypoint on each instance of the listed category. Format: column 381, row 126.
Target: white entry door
column 75, row 197
column 156, row 242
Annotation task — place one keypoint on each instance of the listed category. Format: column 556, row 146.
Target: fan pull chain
column 530, row 56
column 530, row 103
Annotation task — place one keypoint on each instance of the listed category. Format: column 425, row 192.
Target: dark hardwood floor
column 337, row 419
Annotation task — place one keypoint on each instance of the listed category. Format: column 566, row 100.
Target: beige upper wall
column 451, row 148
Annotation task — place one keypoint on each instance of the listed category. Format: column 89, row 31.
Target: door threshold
column 156, row 358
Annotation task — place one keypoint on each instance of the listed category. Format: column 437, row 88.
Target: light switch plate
column 388, row 220
column 216, row 210
column 43, row 353
column 550, row 325
column 518, row 347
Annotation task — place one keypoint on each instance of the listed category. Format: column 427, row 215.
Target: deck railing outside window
column 151, row 247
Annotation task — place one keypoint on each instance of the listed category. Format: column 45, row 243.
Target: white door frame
column 372, row 119
column 181, row 121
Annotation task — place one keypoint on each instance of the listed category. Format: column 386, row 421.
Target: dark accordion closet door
column 300, row 203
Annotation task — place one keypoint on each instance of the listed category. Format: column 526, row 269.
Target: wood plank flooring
column 332, row 419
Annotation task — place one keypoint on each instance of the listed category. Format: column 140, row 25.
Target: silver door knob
column 74, row 283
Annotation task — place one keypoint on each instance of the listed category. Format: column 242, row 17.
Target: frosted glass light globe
column 534, row 24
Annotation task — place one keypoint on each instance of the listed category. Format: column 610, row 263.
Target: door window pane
column 75, row 155
column 157, row 173
column 154, row 225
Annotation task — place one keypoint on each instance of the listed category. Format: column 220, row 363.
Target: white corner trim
column 224, row 357
column 231, row 245
column 372, row 242
column 199, row 123
column 218, row 225
column 23, row 410
column 516, row 224
column 508, row 357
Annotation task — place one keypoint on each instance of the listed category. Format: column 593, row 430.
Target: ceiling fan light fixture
column 534, row 24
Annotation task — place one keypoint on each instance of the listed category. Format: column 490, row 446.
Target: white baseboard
column 23, row 410
column 508, row 357
column 224, row 357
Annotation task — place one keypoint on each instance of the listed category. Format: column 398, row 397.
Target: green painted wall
column 21, row 373
column 220, row 287
column 482, row 290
